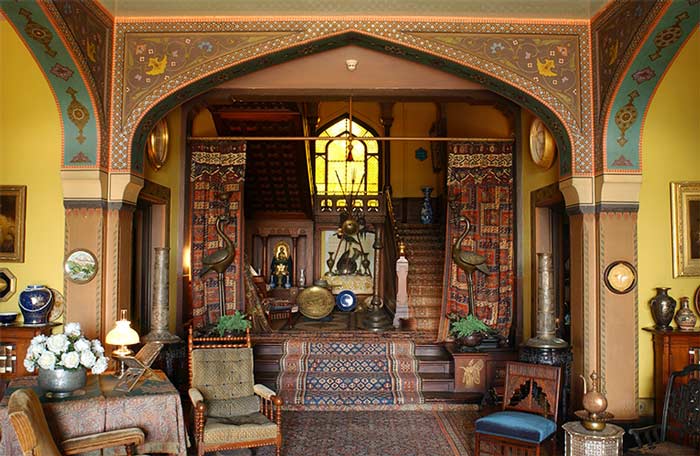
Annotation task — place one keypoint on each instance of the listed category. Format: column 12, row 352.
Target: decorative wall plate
column 8, row 283
column 620, row 277
column 696, row 301
column 315, row 302
column 157, row 145
column 346, row 301
column 80, row 266
column 59, row 305
column 542, row 145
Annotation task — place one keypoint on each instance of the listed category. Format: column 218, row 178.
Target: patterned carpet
column 375, row 433
column 338, row 375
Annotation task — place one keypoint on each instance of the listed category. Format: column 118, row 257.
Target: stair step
column 427, row 324
column 452, row 398
column 430, row 351
column 424, row 301
column 425, row 312
column 437, row 382
column 434, row 366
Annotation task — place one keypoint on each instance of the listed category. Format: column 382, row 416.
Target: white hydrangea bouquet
column 69, row 350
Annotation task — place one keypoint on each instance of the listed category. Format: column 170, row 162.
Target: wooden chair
column 29, row 422
column 530, row 411
column 679, row 431
column 230, row 411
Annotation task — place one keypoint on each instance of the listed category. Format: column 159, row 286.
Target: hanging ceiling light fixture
column 349, row 138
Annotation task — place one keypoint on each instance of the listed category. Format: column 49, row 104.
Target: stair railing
column 394, row 254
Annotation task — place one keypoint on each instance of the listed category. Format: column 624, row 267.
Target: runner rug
column 337, row 375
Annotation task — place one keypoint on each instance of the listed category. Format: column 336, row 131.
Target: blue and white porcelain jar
column 35, row 302
column 426, row 212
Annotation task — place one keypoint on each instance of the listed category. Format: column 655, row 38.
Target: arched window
column 343, row 167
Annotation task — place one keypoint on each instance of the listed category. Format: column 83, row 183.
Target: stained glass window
column 342, row 167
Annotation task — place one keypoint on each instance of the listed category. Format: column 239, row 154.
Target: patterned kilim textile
column 345, row 375
column 217, row 170
column 480, row 186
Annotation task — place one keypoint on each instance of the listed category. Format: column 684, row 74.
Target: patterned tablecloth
column 153, row 405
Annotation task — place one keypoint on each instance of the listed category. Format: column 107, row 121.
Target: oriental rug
column 375, row 433
column 339, row 375
column 480, row 188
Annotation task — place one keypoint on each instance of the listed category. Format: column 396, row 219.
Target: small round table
column 580, row 441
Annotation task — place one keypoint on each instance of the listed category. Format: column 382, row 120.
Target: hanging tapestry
column 480, row 187
column 216, row 184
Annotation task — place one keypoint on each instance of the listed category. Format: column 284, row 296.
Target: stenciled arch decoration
column 571, row 128
column 625, row 115
column 76, row 105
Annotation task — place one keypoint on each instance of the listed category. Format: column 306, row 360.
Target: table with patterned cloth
column 153, row 405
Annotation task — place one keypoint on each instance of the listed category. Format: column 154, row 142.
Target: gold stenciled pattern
column 152, row 59
column 548, row 61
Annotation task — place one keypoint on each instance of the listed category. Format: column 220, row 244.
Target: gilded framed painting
column 685, row 214
column 13, row 206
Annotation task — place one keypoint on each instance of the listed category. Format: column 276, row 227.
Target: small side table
column 579, row 441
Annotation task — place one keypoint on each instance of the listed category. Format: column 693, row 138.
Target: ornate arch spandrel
column 623, row 120
column 72, row 89
column 567, row 113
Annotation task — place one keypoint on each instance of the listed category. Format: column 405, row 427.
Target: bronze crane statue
column 468, row 261
column 220, row 260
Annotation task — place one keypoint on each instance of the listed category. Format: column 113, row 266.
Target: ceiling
column 538, row 9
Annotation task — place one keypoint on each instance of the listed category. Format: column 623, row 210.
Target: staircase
column 425, row 247
column 435, row 368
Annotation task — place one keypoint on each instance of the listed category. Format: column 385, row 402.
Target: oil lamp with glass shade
column 122, row 335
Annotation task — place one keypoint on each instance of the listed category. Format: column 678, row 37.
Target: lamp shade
column 122, row 334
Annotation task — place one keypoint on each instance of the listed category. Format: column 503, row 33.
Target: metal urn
column 160, row 301
column 546, row 311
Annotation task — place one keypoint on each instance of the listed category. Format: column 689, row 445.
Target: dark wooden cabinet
column 673, row 350
column 14, row 341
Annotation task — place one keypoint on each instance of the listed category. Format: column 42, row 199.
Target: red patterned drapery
column 480, row 187
column 216, row 183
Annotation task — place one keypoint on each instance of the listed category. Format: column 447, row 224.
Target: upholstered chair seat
column 231, row 411
column 530, row 411
column 520, row 425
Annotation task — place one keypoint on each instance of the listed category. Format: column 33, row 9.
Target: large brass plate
column 315, row 302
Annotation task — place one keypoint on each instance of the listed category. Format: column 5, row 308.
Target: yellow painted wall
column 30, row 154
column 670, row 152
column 533, row 177
column 169, row 176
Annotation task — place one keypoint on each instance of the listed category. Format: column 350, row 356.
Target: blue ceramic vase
column 426, row 212
column 35, row 302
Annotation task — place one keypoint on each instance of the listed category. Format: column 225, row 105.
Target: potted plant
column 468, row 331
column 229, row 324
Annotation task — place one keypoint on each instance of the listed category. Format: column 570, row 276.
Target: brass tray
column 315, row 302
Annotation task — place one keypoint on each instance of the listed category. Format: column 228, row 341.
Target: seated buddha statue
column 280, row 269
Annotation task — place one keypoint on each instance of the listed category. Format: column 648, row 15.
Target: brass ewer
column 594, row 416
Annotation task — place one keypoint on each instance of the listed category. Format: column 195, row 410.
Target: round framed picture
column 80, row 266
column 696, row 301
column 620, row 277
column 542, row 146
